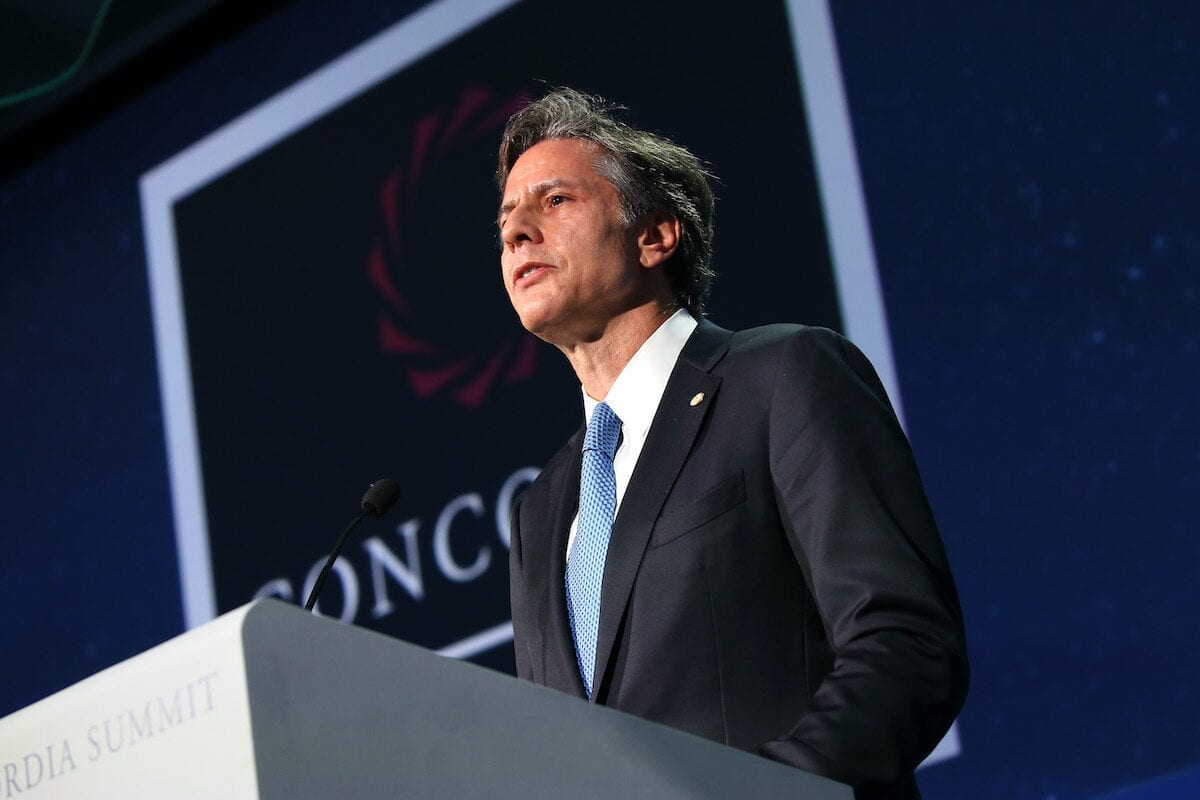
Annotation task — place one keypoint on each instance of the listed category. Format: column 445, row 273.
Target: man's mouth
column 527, row 271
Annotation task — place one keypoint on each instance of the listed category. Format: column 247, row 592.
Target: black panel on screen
column 346, row 318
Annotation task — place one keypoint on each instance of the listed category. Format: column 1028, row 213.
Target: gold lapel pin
column 697, row 398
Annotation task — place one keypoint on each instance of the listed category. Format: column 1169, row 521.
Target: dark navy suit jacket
column 775, row 579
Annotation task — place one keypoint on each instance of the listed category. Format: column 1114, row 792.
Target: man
column 756, row 562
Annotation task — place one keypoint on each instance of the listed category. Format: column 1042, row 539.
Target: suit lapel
column 562, row 668
column 672, row 433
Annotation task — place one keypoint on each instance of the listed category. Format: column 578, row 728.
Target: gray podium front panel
column 339, row 711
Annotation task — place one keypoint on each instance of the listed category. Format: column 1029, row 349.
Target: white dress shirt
column 635, row 395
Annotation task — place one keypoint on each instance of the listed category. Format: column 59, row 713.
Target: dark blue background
column 1032, row 182
column 1032, row 179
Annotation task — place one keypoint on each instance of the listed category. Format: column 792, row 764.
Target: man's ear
column 658, row 239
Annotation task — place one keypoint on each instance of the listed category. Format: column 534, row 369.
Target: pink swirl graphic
column 435, row 365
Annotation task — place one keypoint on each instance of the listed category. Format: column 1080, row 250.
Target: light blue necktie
column 585, row 565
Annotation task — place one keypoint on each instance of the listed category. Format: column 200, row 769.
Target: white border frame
column 851, row 248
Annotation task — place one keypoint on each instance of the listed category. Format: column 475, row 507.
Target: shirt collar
column 635, row 394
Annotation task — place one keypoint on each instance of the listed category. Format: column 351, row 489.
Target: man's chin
column 546, row 328
column 537, row 325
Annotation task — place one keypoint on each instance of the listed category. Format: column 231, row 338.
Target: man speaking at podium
column 737, row 544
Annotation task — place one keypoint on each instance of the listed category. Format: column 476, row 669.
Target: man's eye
column 557, row 200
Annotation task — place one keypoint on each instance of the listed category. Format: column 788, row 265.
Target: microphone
column 380, row 497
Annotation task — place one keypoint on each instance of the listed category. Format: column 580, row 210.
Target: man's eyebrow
column 538, row 189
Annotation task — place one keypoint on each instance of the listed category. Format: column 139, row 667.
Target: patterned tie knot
column 603, row 431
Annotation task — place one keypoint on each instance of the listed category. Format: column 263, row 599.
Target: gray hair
column 650, row 173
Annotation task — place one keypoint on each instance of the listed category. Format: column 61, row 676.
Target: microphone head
column 380, row 497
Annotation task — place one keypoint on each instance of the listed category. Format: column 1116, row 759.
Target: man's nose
column 520, row 226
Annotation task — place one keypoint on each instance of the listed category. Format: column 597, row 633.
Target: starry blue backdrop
column 1032, row 182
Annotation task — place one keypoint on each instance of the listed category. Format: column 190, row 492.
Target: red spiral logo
column 438, row 361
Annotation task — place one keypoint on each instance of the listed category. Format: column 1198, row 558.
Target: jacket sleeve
column 862, row 531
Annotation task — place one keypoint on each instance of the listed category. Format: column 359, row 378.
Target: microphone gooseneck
column 380, row 497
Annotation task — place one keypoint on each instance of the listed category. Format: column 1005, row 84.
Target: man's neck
column 598, row 363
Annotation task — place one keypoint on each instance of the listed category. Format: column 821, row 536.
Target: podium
column 270, row 702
